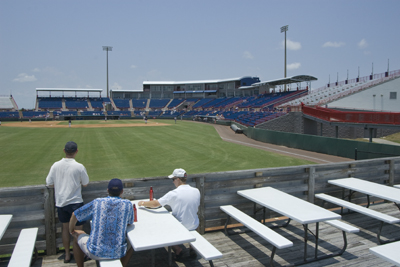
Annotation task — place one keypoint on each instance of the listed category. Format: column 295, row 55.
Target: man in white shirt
column 67, row 177
column 184, row 202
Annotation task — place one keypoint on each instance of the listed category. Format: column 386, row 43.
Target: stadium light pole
column 285, row 29
column 107, row 48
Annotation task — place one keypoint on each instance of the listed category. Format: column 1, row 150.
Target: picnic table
column 156, row 228
column 369, row 188
column 388, row 252
column 4, row 222
column 294, row 208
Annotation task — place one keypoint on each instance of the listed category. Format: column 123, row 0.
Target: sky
column 58, row 43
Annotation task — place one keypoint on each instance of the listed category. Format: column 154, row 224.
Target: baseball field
column 124, row 149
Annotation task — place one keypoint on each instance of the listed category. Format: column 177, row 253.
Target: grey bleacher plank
column 263, row 231
column 372, row 213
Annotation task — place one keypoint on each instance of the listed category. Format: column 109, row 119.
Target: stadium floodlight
column 107, row 48
column 285, row 29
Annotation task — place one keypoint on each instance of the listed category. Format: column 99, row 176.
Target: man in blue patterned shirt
column 110, row 217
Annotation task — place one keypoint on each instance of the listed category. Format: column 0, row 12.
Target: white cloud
column 133, row 67
column 333, row 44
column 23, row 77
column 291, row 45
column 36, row 70
column 247, row 55
column 293, row 66
column 363, row 44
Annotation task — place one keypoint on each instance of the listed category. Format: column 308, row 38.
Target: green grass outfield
column 126, row 152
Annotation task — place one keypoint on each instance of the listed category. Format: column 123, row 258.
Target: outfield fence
column 34, row 206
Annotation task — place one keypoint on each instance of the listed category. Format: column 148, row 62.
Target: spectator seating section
column 92, row 113
column 152, row 114
column 138, row 103
column 171, row 114
column 5, row 103
column 201, row 102
column 65, row 113
column 175, row 102
column 9, row 114
column 35, row 114
column 98, row 102
column 214, row 102
column 125, row 113
column 50, row 103
column 122, row 103
column 158, row 103
column 76, row 103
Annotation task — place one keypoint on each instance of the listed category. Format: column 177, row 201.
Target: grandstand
column 7, row 103
column 245, row 100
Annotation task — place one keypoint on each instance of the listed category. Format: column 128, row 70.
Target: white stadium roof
column 192, row 82
column 69, row 89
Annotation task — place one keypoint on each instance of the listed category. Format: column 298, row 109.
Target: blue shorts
column 65, row 213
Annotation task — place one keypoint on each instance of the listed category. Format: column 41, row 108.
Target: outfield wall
column 321, row 144
column 33, row 206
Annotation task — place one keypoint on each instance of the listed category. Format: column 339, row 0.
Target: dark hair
column 114, row 194
column 183, row 179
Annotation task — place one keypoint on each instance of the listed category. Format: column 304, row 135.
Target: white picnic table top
column 156, row 228
column 4, row 222
column 369, row 188
column 388, row 252
column 397, row 185
column 295, row 208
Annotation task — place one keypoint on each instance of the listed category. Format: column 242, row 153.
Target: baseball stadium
column 233, row 137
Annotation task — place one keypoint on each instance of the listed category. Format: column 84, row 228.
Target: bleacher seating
column 202, row 102
column 35, row 114
column 227, row 102
column 92, row 113
column 5, row 103
column 65, row 113
column 120, row 113
column 138, row 103
column 50, row 103
column 255, row 118
column 214, row 102
column 9, row 114
column 154, row 114
column 122, row 103
column 158, row 103
column 75, row 103
column 175, row 102
column 138, row 113
column 171, row 114
column 98, row 102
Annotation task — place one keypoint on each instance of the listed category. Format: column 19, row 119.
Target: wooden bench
column 260, row 229
column 22, row 253
column 384, row 218
column 388, row 252
column 205, row 248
